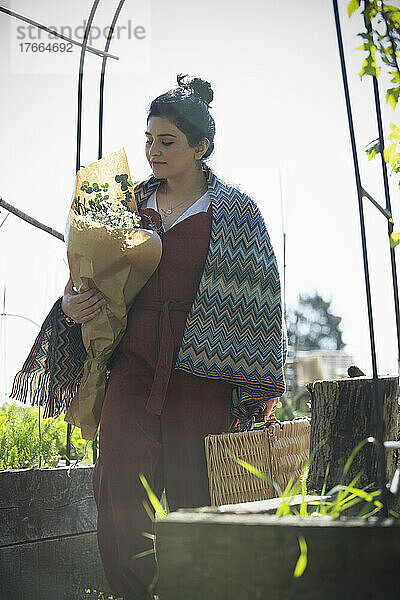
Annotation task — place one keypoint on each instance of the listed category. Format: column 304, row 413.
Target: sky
column 280, row 115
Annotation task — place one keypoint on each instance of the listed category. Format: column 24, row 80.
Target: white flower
column 111, row 213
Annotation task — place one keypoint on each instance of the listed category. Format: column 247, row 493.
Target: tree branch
column 30, row 220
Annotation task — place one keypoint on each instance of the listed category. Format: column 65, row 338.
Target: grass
column 332, row 505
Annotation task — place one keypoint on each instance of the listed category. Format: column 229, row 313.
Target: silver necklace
column 171, row 209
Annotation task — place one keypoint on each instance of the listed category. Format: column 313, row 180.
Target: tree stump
column 342, row 415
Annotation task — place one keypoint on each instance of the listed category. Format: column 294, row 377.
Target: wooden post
column 342, row 415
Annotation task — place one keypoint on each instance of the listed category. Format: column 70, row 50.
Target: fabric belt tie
column 156, row 399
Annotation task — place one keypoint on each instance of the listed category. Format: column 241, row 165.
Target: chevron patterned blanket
column 234, row 330
column 51, row 374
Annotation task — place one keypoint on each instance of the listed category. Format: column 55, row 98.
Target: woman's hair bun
column 197, row 86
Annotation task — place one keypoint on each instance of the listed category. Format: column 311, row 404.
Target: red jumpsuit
column 155, row 418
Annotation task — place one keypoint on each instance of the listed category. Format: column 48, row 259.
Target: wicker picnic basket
column 278, row 449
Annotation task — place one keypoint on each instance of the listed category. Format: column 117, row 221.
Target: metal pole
column 68, row 445
column 377, row 391
column 94, row 448
column 80, row 85
column 103, row 69
column 54, row 32
column 4, row 314
column 78, row 147
column 368, row 27
column 21, row 215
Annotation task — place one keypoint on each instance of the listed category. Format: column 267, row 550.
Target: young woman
column 205, row 345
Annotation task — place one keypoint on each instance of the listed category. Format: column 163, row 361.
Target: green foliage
column 381, row 41
column 354, row 4
column 373, row 148
column 332, row 505
column 312, row 325
column 295, row 406
column 339, row 499
column 22, row 446
column 369, row 65
column 394, row 239
column 160, row 508
column 20, row 443
column 93, row 594
column 302, row 560
column 392, row 96
column 395, row 135
column 95, row 204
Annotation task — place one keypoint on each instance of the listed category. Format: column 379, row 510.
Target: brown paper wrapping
column 118, row 262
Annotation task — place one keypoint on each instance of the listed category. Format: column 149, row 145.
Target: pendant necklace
column 169, row 210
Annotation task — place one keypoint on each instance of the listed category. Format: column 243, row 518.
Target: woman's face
column 167, row 149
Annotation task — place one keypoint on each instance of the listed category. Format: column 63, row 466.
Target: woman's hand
column 233, row 426
column 84, row 306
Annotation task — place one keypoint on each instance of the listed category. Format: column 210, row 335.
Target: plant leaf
column 389, row 153
column 158, row 508
column 353, row 5
column 302, row 560
column 255, row 471
column 394, row 239
column 353, row 454
column 148, row 510
column 145, row 553
column 392, row 96
column 395, row 135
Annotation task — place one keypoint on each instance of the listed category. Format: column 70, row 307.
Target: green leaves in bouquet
column 113, row 212
column 125, row 184
column 96, row 204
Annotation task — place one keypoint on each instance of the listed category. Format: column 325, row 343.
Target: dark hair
column 187, row 107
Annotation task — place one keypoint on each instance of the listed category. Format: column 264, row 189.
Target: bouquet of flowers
column 106, row 249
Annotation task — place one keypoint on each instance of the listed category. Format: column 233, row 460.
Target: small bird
column 354, row 371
